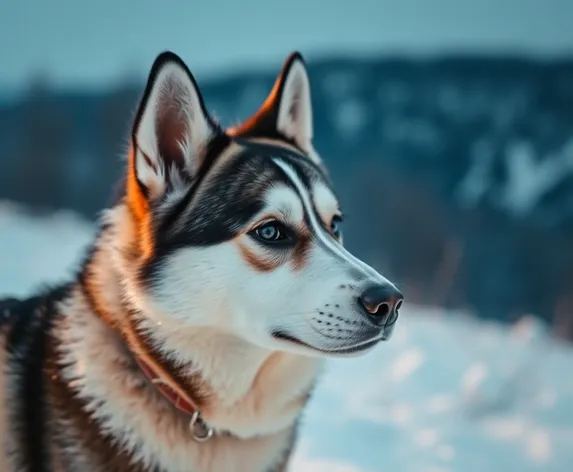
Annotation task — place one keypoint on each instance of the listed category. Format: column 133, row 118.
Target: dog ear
column 171, row 131
column 291, row 98
column 287, row 111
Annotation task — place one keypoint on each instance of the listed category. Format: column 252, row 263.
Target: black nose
column 381, row 304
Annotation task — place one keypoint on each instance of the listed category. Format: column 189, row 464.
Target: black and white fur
column 223, row 265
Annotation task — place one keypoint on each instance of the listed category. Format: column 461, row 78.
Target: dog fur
column 222, row 266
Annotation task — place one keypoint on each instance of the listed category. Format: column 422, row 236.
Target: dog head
column 240, row 230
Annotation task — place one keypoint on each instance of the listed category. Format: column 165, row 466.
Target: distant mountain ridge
column 458, row 172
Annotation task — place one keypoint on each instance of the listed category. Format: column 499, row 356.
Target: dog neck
column 238, row 387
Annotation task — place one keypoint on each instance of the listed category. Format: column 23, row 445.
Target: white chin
column 294, row 345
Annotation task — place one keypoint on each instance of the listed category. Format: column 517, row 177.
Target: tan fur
column 258, row 263
column 274, row 399
column 272, row 391
column 301, row 251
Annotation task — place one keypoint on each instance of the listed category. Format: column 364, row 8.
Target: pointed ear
column 287, row 111
column 293, row 103
column 171, row 131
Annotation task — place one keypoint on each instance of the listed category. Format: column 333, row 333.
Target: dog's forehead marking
column 317, row 230
column 235, row 190
column 324, row 200
column 283, row 200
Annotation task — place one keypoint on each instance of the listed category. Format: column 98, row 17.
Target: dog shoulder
column 23, row 327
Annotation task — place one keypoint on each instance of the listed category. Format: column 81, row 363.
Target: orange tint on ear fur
column 139, row 206
column 136, row 200
column 269, row 103
column 272, row 102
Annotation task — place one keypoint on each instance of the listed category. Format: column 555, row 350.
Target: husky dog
column 194, row 332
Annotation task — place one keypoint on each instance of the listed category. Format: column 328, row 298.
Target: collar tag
column 200, row 430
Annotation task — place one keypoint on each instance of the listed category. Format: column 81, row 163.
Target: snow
column 528, row 180
column 529, row 177
column 447, row 393
column 475, row 184
column 41, row 250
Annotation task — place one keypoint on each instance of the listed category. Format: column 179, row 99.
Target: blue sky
column 83, row 43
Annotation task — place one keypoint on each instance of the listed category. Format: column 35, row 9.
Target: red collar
column 186, row 405
column 178, row 398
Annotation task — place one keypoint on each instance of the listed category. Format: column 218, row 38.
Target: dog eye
column 272, row 232
column 336, row 226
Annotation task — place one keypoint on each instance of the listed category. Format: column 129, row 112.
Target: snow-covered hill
column 448, row 393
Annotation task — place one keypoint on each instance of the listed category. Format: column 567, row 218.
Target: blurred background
column 448, row 130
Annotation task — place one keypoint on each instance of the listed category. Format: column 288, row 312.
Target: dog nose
column 381, row 303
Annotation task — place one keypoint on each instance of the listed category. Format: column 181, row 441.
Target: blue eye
column 336, row 226
column 272, row 232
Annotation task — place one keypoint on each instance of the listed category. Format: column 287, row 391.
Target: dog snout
column 380, row 304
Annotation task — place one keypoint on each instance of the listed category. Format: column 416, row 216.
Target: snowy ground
column 447, row 393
